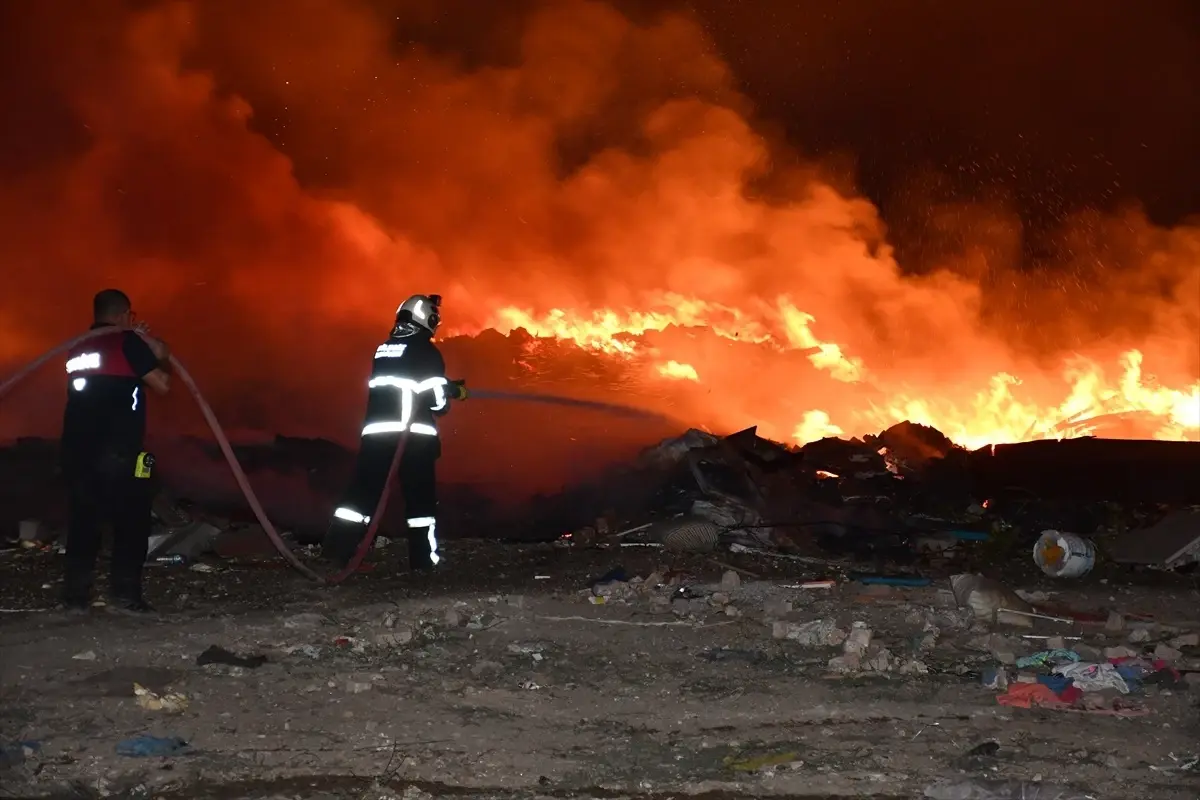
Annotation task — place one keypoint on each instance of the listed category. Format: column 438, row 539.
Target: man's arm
column 455, row 390
column 146, row 363
column 435, row 369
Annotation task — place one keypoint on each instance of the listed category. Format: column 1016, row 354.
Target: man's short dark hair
column 110, row 303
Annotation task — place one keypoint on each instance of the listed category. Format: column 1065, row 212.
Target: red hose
column 238, row 473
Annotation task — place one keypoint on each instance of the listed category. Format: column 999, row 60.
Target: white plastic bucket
column 1064, row 555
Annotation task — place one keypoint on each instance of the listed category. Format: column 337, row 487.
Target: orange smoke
column 269, row 180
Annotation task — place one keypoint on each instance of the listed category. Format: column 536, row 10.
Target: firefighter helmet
column 422, row 309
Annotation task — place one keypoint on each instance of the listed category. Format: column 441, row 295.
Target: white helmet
column 421, row 309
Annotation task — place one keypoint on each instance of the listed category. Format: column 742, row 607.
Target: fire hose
column 243, row 481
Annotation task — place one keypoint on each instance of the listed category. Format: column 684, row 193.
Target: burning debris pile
column 906, row 502
column 904, row 498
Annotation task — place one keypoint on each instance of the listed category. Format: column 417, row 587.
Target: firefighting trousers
column 418, row 487
column 105, row 491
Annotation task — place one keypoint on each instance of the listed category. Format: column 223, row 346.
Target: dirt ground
column 499, row 678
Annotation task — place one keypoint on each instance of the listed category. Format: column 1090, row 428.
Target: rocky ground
column 503, row 677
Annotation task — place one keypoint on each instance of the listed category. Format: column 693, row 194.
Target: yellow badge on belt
column 145, row 464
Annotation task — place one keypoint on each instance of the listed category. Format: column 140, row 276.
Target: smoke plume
column 269, row 180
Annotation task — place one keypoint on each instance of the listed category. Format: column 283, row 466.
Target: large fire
column 269, row 180
column 1092, row 394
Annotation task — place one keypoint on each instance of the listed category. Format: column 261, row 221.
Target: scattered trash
column 1093, row 677
column 1184, row 764
column 187, row 539
column 759, row 763
column 984, row 750
column 976, row 789
column 151, row 746
column 1012, row 615
column 1172, row 542
column 170, row 703
column 990, row 600
column 395, row 636
column 818, row 633
column 689, row 535
column 86, row 655
column 995, row 678
column 890, row 580
column 1186, row 640
column 309, row 650
column 1048, row 658
column 858, row 640
column 1064, row 555
column 216, row 654
column 13, row 755
column 29, row 530
column 1030, row 695
column 531, row 650
column 827, row 584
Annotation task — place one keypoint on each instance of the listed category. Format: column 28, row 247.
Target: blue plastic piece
column 889, row 580
column 151, row 746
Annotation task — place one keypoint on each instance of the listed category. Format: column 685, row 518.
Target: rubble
column 172, row 703
column 818, row 633
column 858, row 640
column 1166, row 653
column 990, row 600
column 879, row 560
column 1186, row 640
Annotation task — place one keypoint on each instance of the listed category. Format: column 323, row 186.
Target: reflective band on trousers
column 350, row 515
column 430, row 523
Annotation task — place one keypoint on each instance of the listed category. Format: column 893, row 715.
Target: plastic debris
column 990, row 600
column 219, row 655
column 1049, row 658
column 757, row 763
column 13, row 755
column 818, row 633
column 996, row 790
column 151, row 746
column 1093, row 677
column 170, row 703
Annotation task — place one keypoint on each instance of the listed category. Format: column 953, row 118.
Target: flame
column 601, row 330
column 997, row 411
column 673, row 369
column 814, row 426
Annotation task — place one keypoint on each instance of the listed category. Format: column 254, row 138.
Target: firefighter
column 106, row 469
column 407, row 391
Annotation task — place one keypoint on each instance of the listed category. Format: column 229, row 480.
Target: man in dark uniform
column 105, row 468
column 408, row 390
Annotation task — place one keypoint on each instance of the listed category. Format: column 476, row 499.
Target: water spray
column 572, row 402
column 243, row 481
